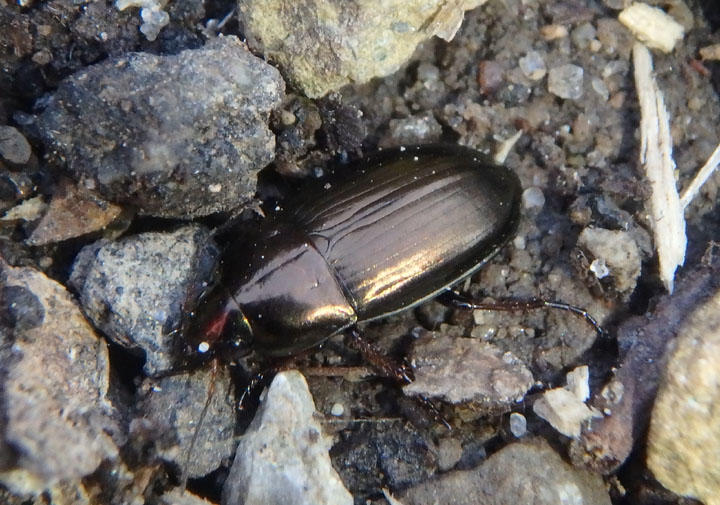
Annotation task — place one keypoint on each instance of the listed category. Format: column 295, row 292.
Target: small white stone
column 519, row 242
column 533, row 65
column 562, row 409
column 578, row 382
column 533, row 198
column 599, row 268
column 566, row 81
column 518, row 425
column 652, row 26
column 337, row 409
column 600, row 88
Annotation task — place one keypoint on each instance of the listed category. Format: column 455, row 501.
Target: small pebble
column 553, row 32
column 600, row 88
column 287, row 118
column 13, row 146
column 599, row 268
column 337, row 409
column 490, row 76
column 427, row 72
column 711, row 52
column 533, row 65
column 518, row 425
column 566, row 81
column 533, row 198
column 582, row 35
column 449, row 453
column 519, row 242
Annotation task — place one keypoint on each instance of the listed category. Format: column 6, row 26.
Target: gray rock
column 135, row 289
column 173, row 405
column 614, row 258
column 523, row 472
column 412, row 130
column 322, row 45
column 684, row 436
column 13, row 146
column 53, row 383
column 449, row 453
column 283, row 457
column 175, row 136
column 371, row 455
column 533, row 65
column 566, row 81
column 463, row 370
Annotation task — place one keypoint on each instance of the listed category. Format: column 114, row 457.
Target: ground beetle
column 408, row 224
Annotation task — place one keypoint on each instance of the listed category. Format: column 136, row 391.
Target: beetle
column 410, row 223
column 407, row 225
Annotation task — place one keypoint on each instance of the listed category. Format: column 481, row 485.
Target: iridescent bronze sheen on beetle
column 407, row 225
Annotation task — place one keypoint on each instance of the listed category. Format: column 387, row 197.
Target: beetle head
column 219, row 326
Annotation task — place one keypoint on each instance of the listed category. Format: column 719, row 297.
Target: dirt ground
column 577, row 160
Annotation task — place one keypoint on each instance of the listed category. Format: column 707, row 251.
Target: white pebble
column 533, row 197
column 533, row 65
column 337, row 409
column 600, row 88
column 518, row 425
column 599, row 268
column 566, row 81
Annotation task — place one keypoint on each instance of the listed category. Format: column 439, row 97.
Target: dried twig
column 666, row 211
column 702, row 176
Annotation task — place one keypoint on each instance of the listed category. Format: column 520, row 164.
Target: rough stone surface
column 627, row 398
column 175, row 136
column 566, row 81
column 615, row 258
column 71, row 213
column 13, row 146
column 463, row 370
column 563, row 410
column 376, row 454
column 684, row 438
column 283, row 457
column 135, row 289
column 54, row 378
column 412, row 130
column 523, row 472
column 173, row 405
column 322, row 45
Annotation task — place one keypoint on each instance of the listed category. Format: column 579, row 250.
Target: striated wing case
column 410, row 223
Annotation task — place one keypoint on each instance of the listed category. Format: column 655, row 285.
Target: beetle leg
column 452, row 298
column 275, row 366
column 401, row 372
column 252, row 384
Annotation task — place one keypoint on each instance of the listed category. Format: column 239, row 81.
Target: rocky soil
column 140, row 139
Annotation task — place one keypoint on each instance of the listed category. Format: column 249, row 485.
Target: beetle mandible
column 410, row 223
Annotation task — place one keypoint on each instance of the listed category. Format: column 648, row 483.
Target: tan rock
column 684, row 439
column 321, row 45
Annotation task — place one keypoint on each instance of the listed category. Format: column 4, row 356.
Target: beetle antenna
column 454, row 299
column 206, row 407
